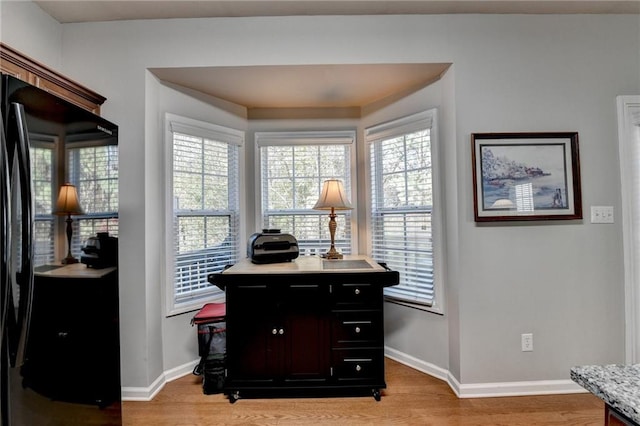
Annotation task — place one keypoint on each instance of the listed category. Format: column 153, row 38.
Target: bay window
column 403, row 206
column 293, row 168
column 203, row 219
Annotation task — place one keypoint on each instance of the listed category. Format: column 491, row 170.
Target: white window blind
column 402, row 206
column 205, row 208
column 94, row 172
column 294, row 166
column 42, row 172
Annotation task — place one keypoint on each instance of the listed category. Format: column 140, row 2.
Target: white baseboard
column 148, row 393
column 417, row 364
column 473, row 390
column 500, row 389
column 486, row 390
column 180, row 371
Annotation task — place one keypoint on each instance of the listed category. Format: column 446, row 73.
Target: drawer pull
column 358, row 368
column 274, row 331
column 357, row 291
column 357, row 329
column 281, row 331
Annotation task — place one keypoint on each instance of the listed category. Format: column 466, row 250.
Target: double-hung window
column 93, row 169
column 203, row 205
column 293, row 168
column 403, row 205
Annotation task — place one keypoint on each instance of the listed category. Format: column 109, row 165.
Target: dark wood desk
column 307, row 327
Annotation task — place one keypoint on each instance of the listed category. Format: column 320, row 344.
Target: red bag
column 210, row 312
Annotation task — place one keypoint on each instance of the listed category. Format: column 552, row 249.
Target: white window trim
column 52, row 143
column 404, row 125
column 180, row 124
column 329, row 137
column 628, row 133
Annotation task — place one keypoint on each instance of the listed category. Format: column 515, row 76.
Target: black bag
column 212, row 339
column 212, row 349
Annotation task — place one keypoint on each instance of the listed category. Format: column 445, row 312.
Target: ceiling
column 320, row 90
column 346, row 87
column 112, row 10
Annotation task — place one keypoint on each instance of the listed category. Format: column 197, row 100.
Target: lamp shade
column 333, row 196
column 68, row 202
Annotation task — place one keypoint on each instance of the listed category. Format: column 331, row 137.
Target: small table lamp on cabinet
column 67, row 205
column 333, row 198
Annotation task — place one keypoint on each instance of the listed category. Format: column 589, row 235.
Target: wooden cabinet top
column 37, row 74
column 308, row 265
column 75, row 270
column 354, row 268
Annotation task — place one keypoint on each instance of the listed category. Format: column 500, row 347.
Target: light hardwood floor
column 411, row 398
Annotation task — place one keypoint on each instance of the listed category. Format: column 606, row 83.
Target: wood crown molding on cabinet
column 24, row 68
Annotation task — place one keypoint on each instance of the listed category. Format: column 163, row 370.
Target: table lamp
column 67, row 205
column 333, row 198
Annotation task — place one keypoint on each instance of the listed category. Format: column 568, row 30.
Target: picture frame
column 526, row 176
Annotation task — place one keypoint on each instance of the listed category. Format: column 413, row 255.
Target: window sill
column 194, row 305
column 434, row 309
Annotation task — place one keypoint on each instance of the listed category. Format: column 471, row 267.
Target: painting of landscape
column 524, row 177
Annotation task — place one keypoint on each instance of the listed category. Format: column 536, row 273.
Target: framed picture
column 526, row 176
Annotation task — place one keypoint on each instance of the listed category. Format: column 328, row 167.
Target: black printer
column 272, row 246
column 100, row 251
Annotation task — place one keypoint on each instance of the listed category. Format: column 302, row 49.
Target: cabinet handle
column 358, row 368
column 281, row 331
column 63, row 334
column 274, row 331
column 357, row 291
column 357, row 329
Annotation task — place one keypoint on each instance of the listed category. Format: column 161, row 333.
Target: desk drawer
column 358, row 365
column 357, row 295
column 357, row 329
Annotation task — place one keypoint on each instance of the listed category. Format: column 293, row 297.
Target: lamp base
column 69, row 260
column 331, row 254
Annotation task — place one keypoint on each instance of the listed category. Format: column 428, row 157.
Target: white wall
column 27, row 28
column 179, row 344
column 429, row 352
column 561, row 281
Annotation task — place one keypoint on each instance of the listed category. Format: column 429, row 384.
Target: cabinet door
column 306, row 352
column 72, row 352
column 252, row 335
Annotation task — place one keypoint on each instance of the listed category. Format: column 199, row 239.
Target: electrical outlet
column 527, row 342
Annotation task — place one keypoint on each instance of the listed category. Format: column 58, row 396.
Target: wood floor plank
column 411, row 398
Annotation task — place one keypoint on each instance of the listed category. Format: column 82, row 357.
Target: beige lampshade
column 333, row 196
column 68, row 202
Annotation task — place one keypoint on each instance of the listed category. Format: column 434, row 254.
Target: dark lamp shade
column 333, row 196
column 68, row 202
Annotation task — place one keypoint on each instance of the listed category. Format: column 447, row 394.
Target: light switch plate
column 601, row 214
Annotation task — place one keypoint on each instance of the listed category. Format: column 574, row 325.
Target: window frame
column 178, row 124
column 399, row 127
column 38, row 141
column 303, row 138
column 72, row 174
